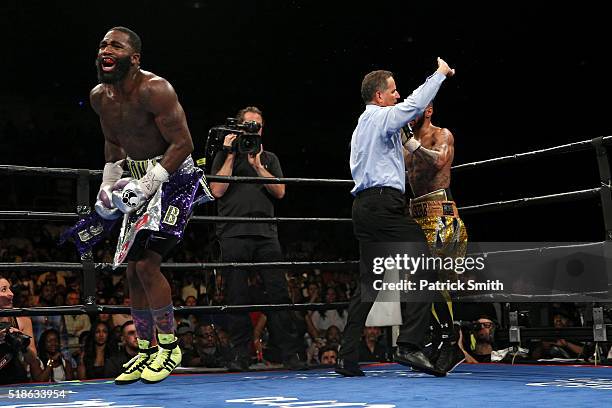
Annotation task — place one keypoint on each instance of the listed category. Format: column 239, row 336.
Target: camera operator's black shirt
column 246, row 199
column 13, row 372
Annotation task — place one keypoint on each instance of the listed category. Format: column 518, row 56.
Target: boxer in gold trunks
column 429, row 152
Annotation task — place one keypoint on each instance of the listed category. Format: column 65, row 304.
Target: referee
column 377, row 167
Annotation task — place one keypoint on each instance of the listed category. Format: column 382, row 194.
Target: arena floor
column 385, row 386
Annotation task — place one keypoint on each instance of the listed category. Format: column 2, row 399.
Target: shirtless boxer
column 428, row 172
column 144, row 128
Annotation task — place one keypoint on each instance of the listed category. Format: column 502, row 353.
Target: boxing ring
column 385, row 385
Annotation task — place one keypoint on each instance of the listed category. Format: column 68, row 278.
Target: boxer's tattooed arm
column 440, row 152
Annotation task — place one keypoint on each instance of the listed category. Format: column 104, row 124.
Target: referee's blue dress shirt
column 377, row 158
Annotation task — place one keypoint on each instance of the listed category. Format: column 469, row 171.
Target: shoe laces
column 161, row 359
column 138, row 360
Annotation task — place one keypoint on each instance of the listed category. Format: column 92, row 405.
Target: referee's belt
column 434, row 204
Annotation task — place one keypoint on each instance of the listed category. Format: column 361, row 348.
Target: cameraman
column 12, row 370
column 252, row 242
column 479, row 342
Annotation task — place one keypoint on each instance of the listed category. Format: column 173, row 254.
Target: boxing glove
column 104, row 205
column 130, row 194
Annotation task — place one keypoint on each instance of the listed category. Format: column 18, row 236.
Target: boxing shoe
column 134, row 367
column 414, row 358
column 168, row 357
column 348, row 368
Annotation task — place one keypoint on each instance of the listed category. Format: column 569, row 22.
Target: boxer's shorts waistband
column 437, row 208
column 138, row 168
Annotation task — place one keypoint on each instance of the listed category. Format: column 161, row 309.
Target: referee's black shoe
column 348, row 368
column 413, row 357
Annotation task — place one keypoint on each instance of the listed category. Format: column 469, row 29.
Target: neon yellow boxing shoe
column 134, row 367
column 168, row 357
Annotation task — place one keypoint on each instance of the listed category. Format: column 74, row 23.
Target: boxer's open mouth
column 108, row 64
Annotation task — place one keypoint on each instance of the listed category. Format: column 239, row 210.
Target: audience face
column 129, row 337
column 6, row 295
column 205, row 336
column 219, row 298
column 72, row 299
column 371, row 334
column 52, row 343
column 47, row 293
column 51, row 279
column 333, row 335
column 330, row 295
column 560, row 321
column 219, row 281
column 313, row 291
column 223, row 338
column 329, row 357
column 190, row 301
column 485, row 334
column 101, row 334
column 186, row 340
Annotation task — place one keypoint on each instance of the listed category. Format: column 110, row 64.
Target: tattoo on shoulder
column 172, row 122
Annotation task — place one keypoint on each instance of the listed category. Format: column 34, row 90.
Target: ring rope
column 77, row 266
column 566, row 148
column 95, row 309
column 470, row 209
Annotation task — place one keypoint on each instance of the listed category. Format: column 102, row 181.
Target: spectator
column 189, row 289
column 99, row 348
column 328, row 355
column 322, row 320
column 313, row 293
column 127, row 351
column 13, row 371
column 560, row 348
column 75, row 324
column 370, row 348
column 55, row 366
column 186, row 343
column 333, row 335
column 208, row 351
column 481, row 347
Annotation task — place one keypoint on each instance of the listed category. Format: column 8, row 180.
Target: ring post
column 606, row 187
column 89, row 270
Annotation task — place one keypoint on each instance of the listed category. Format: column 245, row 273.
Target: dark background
column 529, row 76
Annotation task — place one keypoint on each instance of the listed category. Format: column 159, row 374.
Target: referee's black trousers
column 378, row 216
